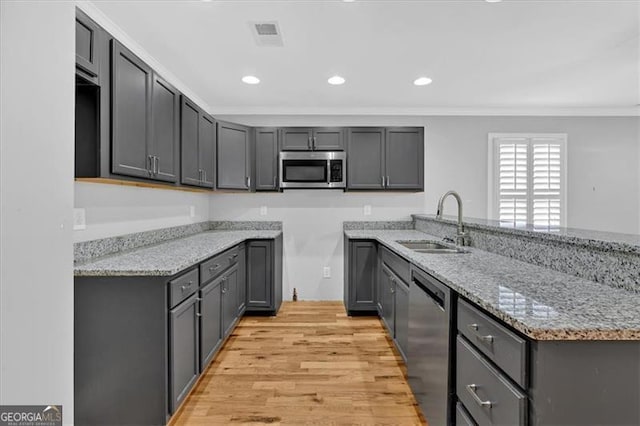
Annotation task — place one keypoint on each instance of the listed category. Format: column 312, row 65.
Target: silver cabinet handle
column 198, row 314
column 248, row 182
column 151, row 163
column 184, row 287
column 309, row 143
column 198, row 299
column 474, row 327
column 314, row 143
column 472, row 390
column 383, row 181
column 388, row 181
column 214, row 267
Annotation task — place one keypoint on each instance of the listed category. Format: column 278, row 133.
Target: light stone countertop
column 170, row 257
column 540, row 303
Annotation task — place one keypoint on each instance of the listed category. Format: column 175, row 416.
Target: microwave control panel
column 336, row 170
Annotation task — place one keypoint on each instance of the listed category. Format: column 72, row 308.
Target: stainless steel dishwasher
column 428, row 361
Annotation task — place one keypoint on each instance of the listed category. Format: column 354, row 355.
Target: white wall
column 117, row 210
column 603, row 153
column 37, row 64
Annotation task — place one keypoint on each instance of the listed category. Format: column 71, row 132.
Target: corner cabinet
column 198, row 140
column 233, row 156
column 385, row 158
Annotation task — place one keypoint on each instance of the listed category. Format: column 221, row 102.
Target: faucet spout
column 460, row 240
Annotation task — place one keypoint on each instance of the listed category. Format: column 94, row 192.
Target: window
column 527, row 180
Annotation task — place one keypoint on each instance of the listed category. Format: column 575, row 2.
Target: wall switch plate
column 367, row 210
column 263, row 210
column 79, row 219
column 326, row 272
column 192, row 211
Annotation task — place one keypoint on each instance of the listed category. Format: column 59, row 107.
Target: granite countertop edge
column 547, row 333
column 107, row 266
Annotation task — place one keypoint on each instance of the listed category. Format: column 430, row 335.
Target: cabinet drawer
column 500, row 345
column 182, row 287
column 216, row 265
column 397, row 264
column 486, row 393
column 463, row 418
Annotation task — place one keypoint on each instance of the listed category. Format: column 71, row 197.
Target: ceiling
column 517, row 54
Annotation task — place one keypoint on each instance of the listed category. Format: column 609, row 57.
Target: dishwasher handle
column 432, row 291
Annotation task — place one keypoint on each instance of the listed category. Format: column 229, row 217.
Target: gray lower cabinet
column 242, row 279
column 198, row 140
column 229, row 300
column 264, row 276
column 233, row 156
column 210, row 321
column 391, row 158
column 401, row 321
column 266, row 159
column 360, row 269
column 184, row 342
column 387, row 299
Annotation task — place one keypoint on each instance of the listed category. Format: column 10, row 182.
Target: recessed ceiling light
column 422, row 81
column 336, row 80
column 348, row 1
column 493, row 1
column 250, row 79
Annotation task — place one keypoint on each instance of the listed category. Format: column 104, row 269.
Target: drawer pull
column 474, row 327
column 213, row 268
column 233, row 256
column 184, row 287
column 472, row 390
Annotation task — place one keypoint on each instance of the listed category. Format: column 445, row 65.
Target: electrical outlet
column 192, row 211
column 367, row 210
column 326, row 272
column 263, row 210
column 79, row 219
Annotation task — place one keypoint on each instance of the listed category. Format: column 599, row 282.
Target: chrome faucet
column 460, row 237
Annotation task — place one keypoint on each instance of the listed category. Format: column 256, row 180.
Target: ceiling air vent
column 266, row 33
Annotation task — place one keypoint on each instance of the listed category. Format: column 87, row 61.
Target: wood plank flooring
column 311, row 364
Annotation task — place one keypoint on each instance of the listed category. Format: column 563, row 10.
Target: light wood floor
column 312, row 364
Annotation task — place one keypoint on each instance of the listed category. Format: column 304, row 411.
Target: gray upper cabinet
column 198, row 139
column 131, row 98
column 296, row 139
column 165, row 130
column 312, row 139
column 365, row 158
column 391, row 158
column 87, row 57
column 404, row 154
column 266, row 159
column 233, row 156
column 328, row 139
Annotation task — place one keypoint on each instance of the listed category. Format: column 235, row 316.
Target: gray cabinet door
column 387, row 299
column 401, row 321
column 183, row 346
column 165, row 128
column 233, row 156
column 404, row 153
column 229, row 300
column 365, row 158
column 296, row 139
column 260, row 275
column 207, row 149
column 210, row 321
column 266, row 155
column 131, row 98
column 328, row 139
column 189, row 157
column 87, row 57
column 242, row 279
column 363, row 259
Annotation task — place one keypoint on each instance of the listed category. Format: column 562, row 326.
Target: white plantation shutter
column 527, row 180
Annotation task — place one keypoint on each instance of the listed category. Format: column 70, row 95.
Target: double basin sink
column 428, row 246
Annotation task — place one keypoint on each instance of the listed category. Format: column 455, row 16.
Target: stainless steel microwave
column 313, row 169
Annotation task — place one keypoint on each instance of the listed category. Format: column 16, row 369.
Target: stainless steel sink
column 428, row 246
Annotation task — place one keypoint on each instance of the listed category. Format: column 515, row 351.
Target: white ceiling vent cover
column 266, row 33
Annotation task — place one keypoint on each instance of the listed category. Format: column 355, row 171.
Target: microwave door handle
column 329, row 172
